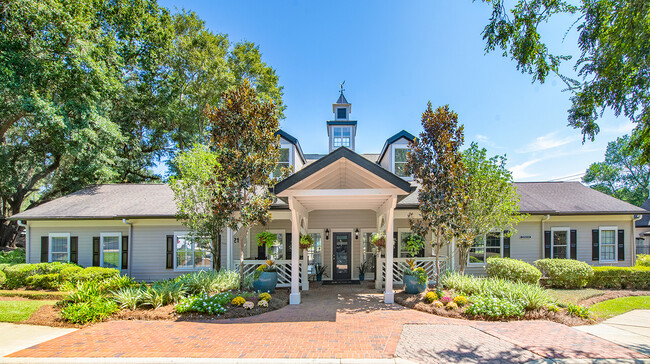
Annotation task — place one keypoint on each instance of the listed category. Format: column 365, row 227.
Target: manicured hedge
column 565, row 273
column 3, row 277
column 621, row 277
column 512, row 270
column 51, row 275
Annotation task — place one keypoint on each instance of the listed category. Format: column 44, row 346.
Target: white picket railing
column 283, row 267
column 428, row 263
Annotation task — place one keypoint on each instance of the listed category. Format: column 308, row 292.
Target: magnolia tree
column 243, row 137
column 436, row 164
column 493, row 203
column 193, row 195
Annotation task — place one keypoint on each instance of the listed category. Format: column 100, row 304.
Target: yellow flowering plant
column 238, row 301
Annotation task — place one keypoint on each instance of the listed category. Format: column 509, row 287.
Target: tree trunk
column 8, row 232
column 216, row 251
column 437, row 258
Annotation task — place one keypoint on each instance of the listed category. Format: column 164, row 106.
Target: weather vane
column 341, row 84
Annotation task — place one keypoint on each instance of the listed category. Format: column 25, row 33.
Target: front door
column 341, row 260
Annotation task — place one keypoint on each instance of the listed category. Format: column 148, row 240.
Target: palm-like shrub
column 128, row 297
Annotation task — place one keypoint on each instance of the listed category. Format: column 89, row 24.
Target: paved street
column 334, row 322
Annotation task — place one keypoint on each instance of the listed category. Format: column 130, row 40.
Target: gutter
column 27, row 237
column 130, row 246
column 541, row 236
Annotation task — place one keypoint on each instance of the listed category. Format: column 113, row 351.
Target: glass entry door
column 341, row 259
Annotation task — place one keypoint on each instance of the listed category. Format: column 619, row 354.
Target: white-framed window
column 59, row 247
column 277, row 252
column 191, row 253
column 399, row 161
column 110, row 252
column 608, row 241
column 560, row 241
column 341, row 113
column 342, row 136
column 486, row 246
column 283, row 162
column 315, row 253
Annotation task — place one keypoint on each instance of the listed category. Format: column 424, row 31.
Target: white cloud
column 519, row 171
column 624, row 128
column 548, row 141
column 481, row 138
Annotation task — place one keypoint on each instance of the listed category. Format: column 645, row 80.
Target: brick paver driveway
column 332, row 322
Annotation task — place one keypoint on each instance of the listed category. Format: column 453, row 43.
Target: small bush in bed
column 513, row 270
column 565, row 273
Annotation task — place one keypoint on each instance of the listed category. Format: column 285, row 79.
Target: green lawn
column 574, row 295
column 618, row 306
column 14, row 311
column 33, row 295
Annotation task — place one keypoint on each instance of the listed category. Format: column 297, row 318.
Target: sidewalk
column 15, row 337
column 631, row 329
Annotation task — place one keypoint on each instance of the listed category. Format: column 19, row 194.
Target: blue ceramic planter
column 266, row 282
column 411, row 285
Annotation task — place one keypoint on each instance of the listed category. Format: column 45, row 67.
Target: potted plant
column 306, row 242
column 319, row 270
column 415, row 278
column 265, row 277
column 363, row 268
column 379, row 240
column 267, row 239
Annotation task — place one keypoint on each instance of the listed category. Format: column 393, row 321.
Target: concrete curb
column 202, row 361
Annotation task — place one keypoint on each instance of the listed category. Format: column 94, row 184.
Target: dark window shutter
column 45, row 245
column 96, row 243
column 574, row 244
column 125, row 252
column 396, row 247
column 74, row 249
column 170, row 252
column 506, row 244
column 621, row 245
column 261, row 251
column 547, row 244
column 287, row 243
column 595, row 245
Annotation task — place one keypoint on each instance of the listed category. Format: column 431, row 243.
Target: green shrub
column 3, row 278
column 114, row 283
column 213, row 305
column 565, row 273
column 513, row 270
column 96, row 274
column 494, row 307
column 3, row 266
column 44, row 281
column 17, row 275
column 578, row 311
column 83, row 292
column 643, row 260
column 81, row 313
column 621, row 277
column 16, row 256
column 69, row 274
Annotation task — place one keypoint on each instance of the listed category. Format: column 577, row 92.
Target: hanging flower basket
column 266, row 238
column 379, row 241
column 306, row 241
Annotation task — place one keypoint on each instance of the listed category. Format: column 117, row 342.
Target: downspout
column 27, row 237
column 548, row 217
column 130, row 245
column 634, row 220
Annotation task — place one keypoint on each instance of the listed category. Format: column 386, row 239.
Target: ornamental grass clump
column 128, row 297
column 210, row 281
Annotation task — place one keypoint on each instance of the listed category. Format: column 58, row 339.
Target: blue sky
column 394, row 57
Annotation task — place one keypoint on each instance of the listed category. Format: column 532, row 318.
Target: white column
column 305, row 274
column 229, row 244
column 294, row 297
column 389, row 296
column 378, row 275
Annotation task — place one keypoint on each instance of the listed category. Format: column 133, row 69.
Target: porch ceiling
column 343, row 199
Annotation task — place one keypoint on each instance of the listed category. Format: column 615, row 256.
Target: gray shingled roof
column 568, row 198
column 342, row 99
column 110, row 201
column 645, row 219
column 116, row 201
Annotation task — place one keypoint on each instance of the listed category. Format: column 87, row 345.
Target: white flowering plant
column 212, row 305
column 494, row 307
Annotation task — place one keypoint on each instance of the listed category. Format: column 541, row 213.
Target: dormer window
column 342, row 137
column 400, row 162
column 283, row 162
column 341, row 113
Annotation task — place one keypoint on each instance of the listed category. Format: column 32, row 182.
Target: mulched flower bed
column 418, row 302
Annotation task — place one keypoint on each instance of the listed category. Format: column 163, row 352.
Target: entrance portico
column 343, row 180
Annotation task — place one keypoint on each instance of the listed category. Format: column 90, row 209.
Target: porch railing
column 399, row 264
column 283, row 267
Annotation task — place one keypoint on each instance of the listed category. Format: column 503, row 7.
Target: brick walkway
column 332, row 322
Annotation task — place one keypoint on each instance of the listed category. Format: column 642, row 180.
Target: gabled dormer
column 341, row 131
column 393, row 154
column 291, row 155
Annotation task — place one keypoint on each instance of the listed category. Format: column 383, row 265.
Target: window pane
column 284, row 155
column 337, row 132
column 607, row 252
column 400, row 169
column 59, row 257
column 59, row 245
column 607, row 237
column 560, row 237
column 477, row 251
column 608, row 245
column 111, row 252
column 400, row 154
column 560, row 252
column 346, row 132
column 184, row 259
column 493, row 240
column 340, row 113
column 313, row 255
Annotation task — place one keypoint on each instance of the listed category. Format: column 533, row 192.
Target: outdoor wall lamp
column 356, row 234
column 327, row 234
